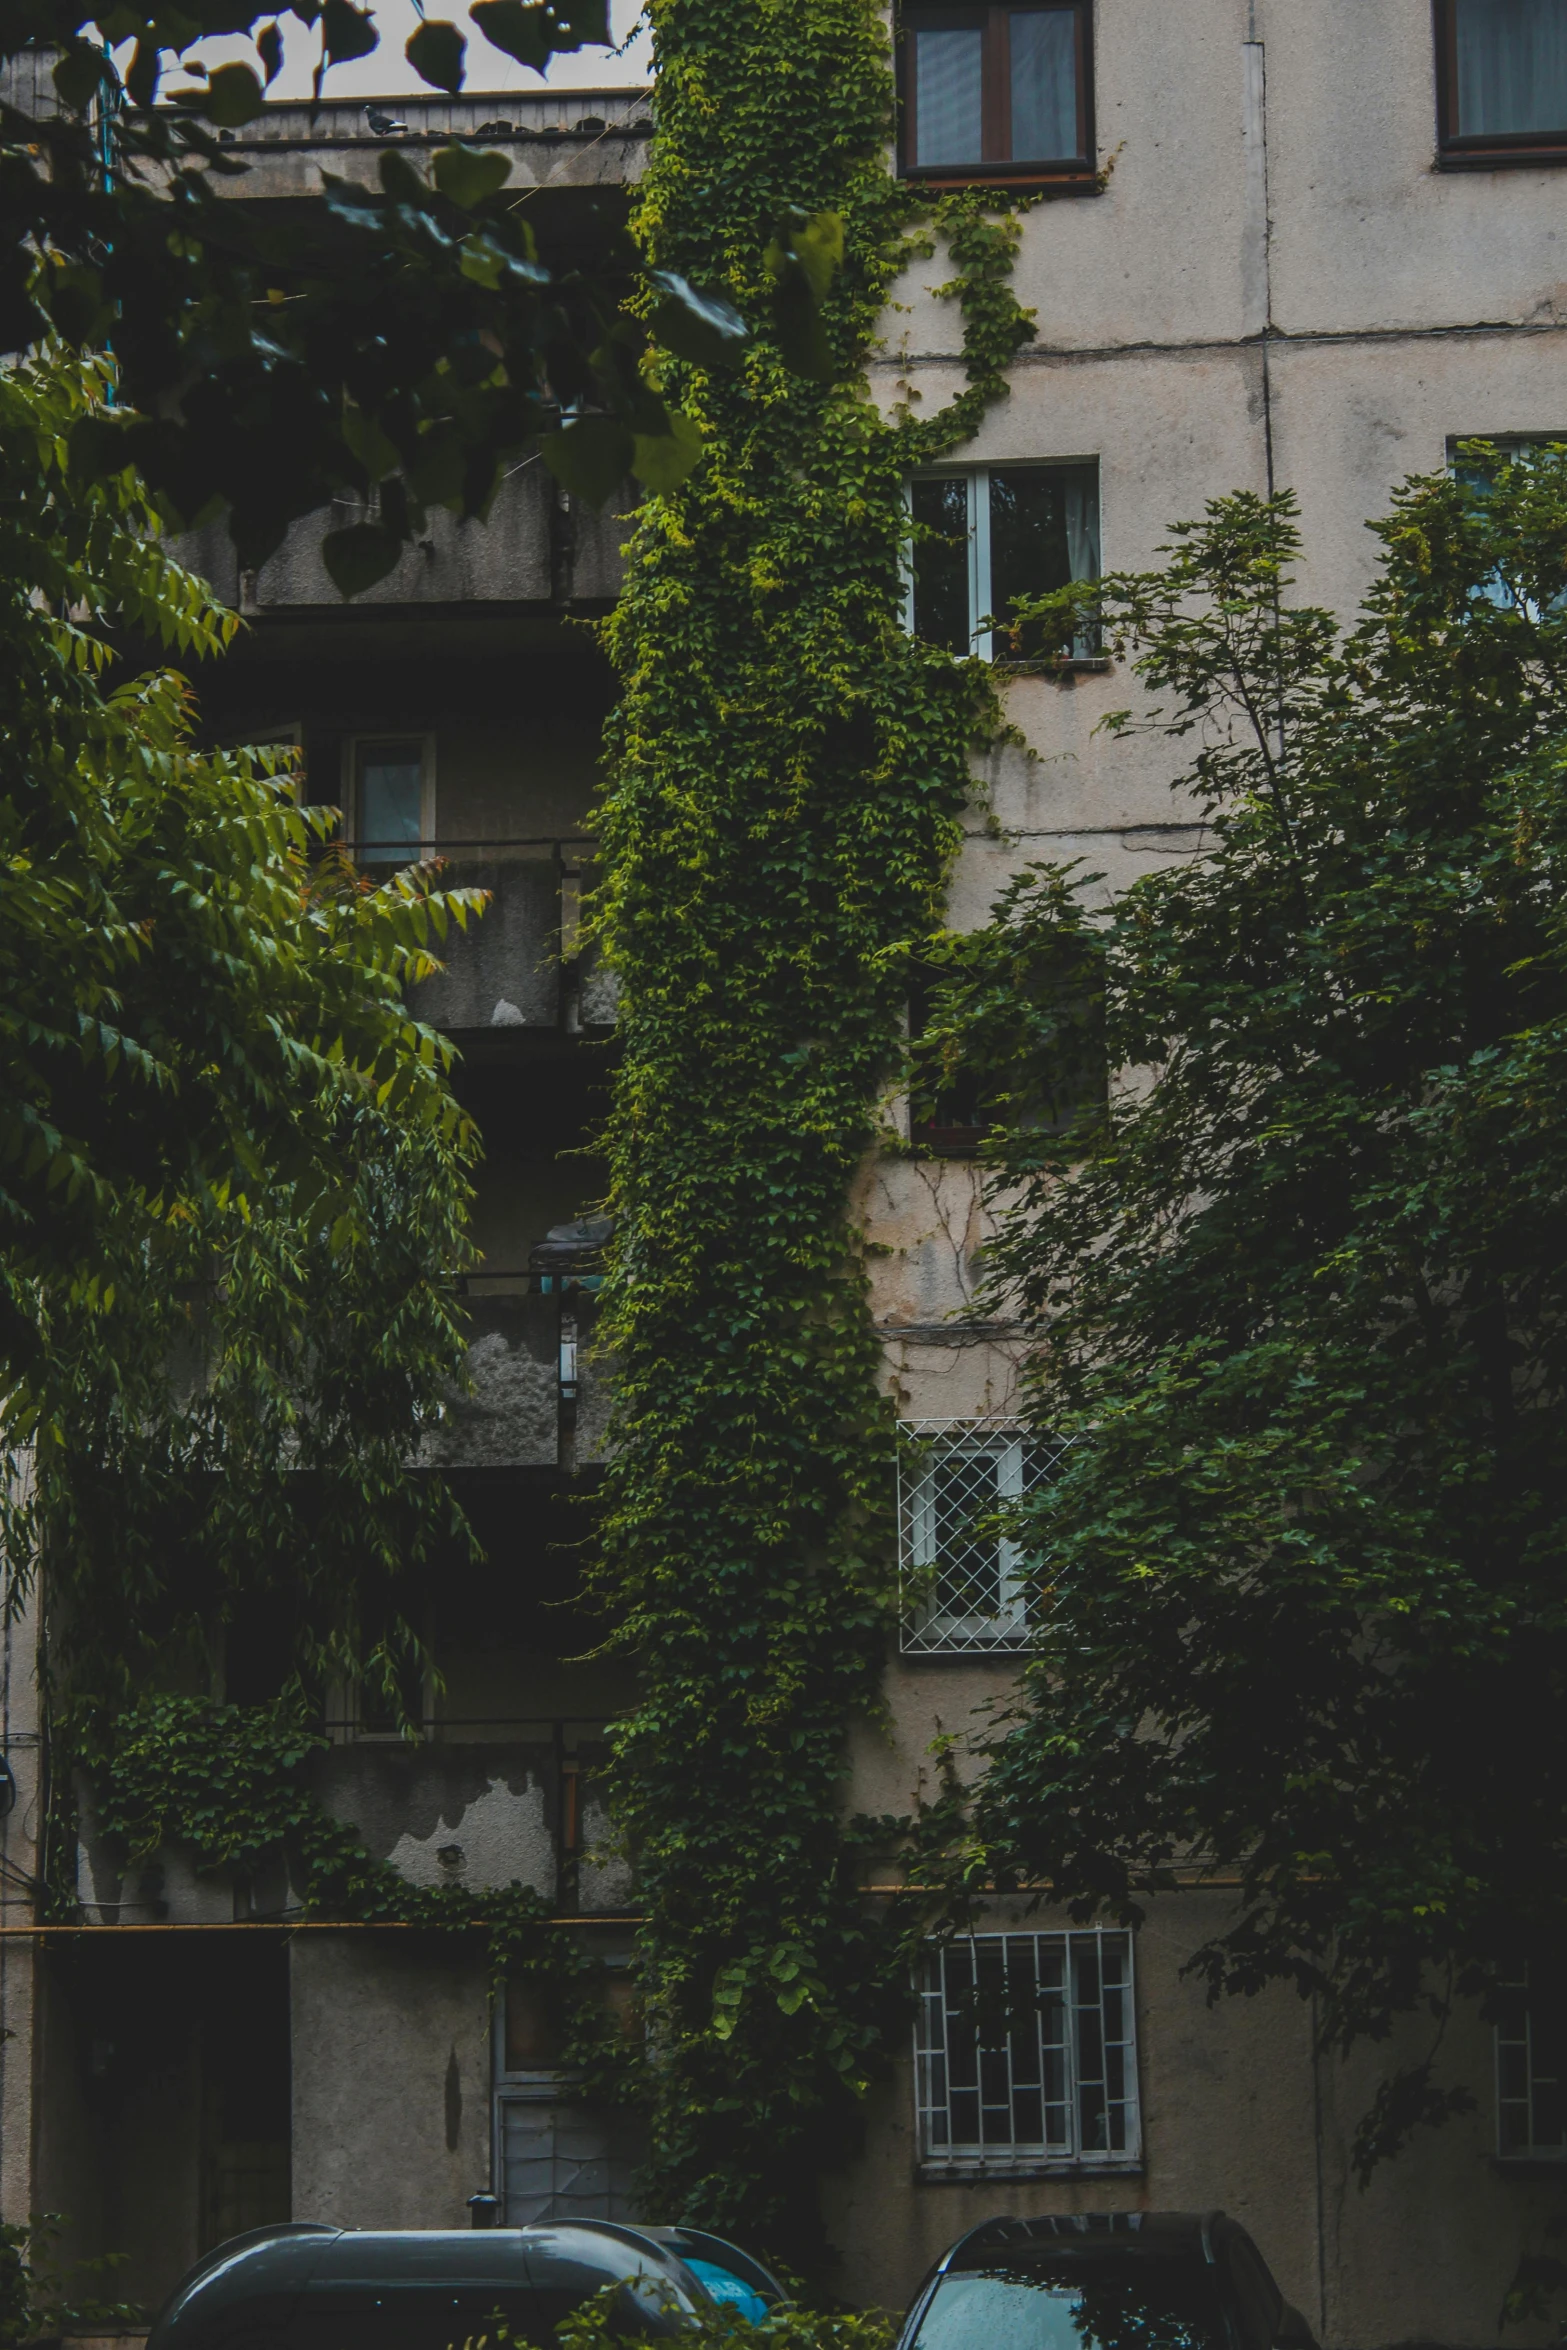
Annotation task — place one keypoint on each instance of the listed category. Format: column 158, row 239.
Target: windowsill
column 957, row 2173
column 1501, row 158
column 1531, row 2166
column 968, row 1646
column 948, row 1142
column 1080, row 665
column 1082, row 180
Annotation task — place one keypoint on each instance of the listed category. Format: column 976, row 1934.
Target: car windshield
column 1136, row 2302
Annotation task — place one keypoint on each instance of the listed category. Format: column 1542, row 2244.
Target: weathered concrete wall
column 449, row 1814
column 502, row 970
column 510, row 1416
column 1286, row 294
column 576, row 140
column 391, row 2079
column 1237, row 2114
column 1227, row 2120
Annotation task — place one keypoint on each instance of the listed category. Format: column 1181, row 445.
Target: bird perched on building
column 384, row 126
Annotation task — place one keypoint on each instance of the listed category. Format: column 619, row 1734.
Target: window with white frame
column 990, row 533
column 1475, row 457
column 1531, row 2072
column 1476, row 461
column 965, row 1576
column 1025, row 2053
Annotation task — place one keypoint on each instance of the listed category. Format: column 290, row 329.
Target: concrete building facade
column 1292, row 246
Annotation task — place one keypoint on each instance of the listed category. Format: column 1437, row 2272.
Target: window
column 1025, row 2055
column 984, row 536
column 393, row 799
column 1055, row 1083
column 1476, row 460
column 1001, row 93
column 1501, row 80
column 1531, row 2071
column 1476, row 457
column 965, row 1582
column 556, row 2158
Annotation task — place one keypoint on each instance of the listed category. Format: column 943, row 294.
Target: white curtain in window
column 949, row 96
column 1044, row 85
column 1512, row 66
column 1082, row 521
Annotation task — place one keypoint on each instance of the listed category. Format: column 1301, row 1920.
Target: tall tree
column 1297, row 1286
column 233, row 1179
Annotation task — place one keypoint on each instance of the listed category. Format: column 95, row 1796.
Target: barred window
column 965, row 1581
column 1025, row 2053
column 1531, row 2073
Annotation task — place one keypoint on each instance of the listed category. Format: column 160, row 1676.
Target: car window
column 1135, row 2303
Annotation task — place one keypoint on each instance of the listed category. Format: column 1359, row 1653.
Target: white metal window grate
column 1531, row 2074
column 1025, row 2053
column 965, row 1581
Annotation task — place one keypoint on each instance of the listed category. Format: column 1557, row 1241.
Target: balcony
column 523, row 965
column 476, row 1805
column 538, row 552
column 576, row 140
column 538, row 1397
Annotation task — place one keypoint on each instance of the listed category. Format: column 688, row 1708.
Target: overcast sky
column 387, row 73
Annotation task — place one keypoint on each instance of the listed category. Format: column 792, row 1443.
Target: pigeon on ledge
column 384, row 126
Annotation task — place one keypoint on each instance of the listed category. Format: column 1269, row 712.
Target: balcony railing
column 538, row 1393
column 524, row 964
column 480, row 1802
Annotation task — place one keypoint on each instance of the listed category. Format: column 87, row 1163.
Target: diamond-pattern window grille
column 965, row 1581
column 1025, row 2053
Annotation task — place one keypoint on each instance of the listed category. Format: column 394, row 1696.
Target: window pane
column 968, row 1578
column 1044, row 85
column 948, row 96
column 1511, row 58
column 941, row 563
column 391, row 791
column 1044, row 532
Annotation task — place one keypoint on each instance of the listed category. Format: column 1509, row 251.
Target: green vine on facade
column 788, row 772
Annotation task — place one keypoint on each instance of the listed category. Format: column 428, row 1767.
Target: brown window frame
column 994, row 166
column 1490, row 150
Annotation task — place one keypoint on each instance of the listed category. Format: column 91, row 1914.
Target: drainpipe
column 1257, row 228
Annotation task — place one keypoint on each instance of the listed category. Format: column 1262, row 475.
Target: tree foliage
column 1298, row 1290
column 233, row 1180
column 395, row 348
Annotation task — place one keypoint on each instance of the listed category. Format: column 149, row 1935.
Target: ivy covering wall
column 788, row 771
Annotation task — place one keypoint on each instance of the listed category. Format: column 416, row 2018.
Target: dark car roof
column 268, row 2268
column 1088, row 2231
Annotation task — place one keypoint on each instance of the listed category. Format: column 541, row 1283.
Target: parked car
column 309, row 2287
column 1133, row 2280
